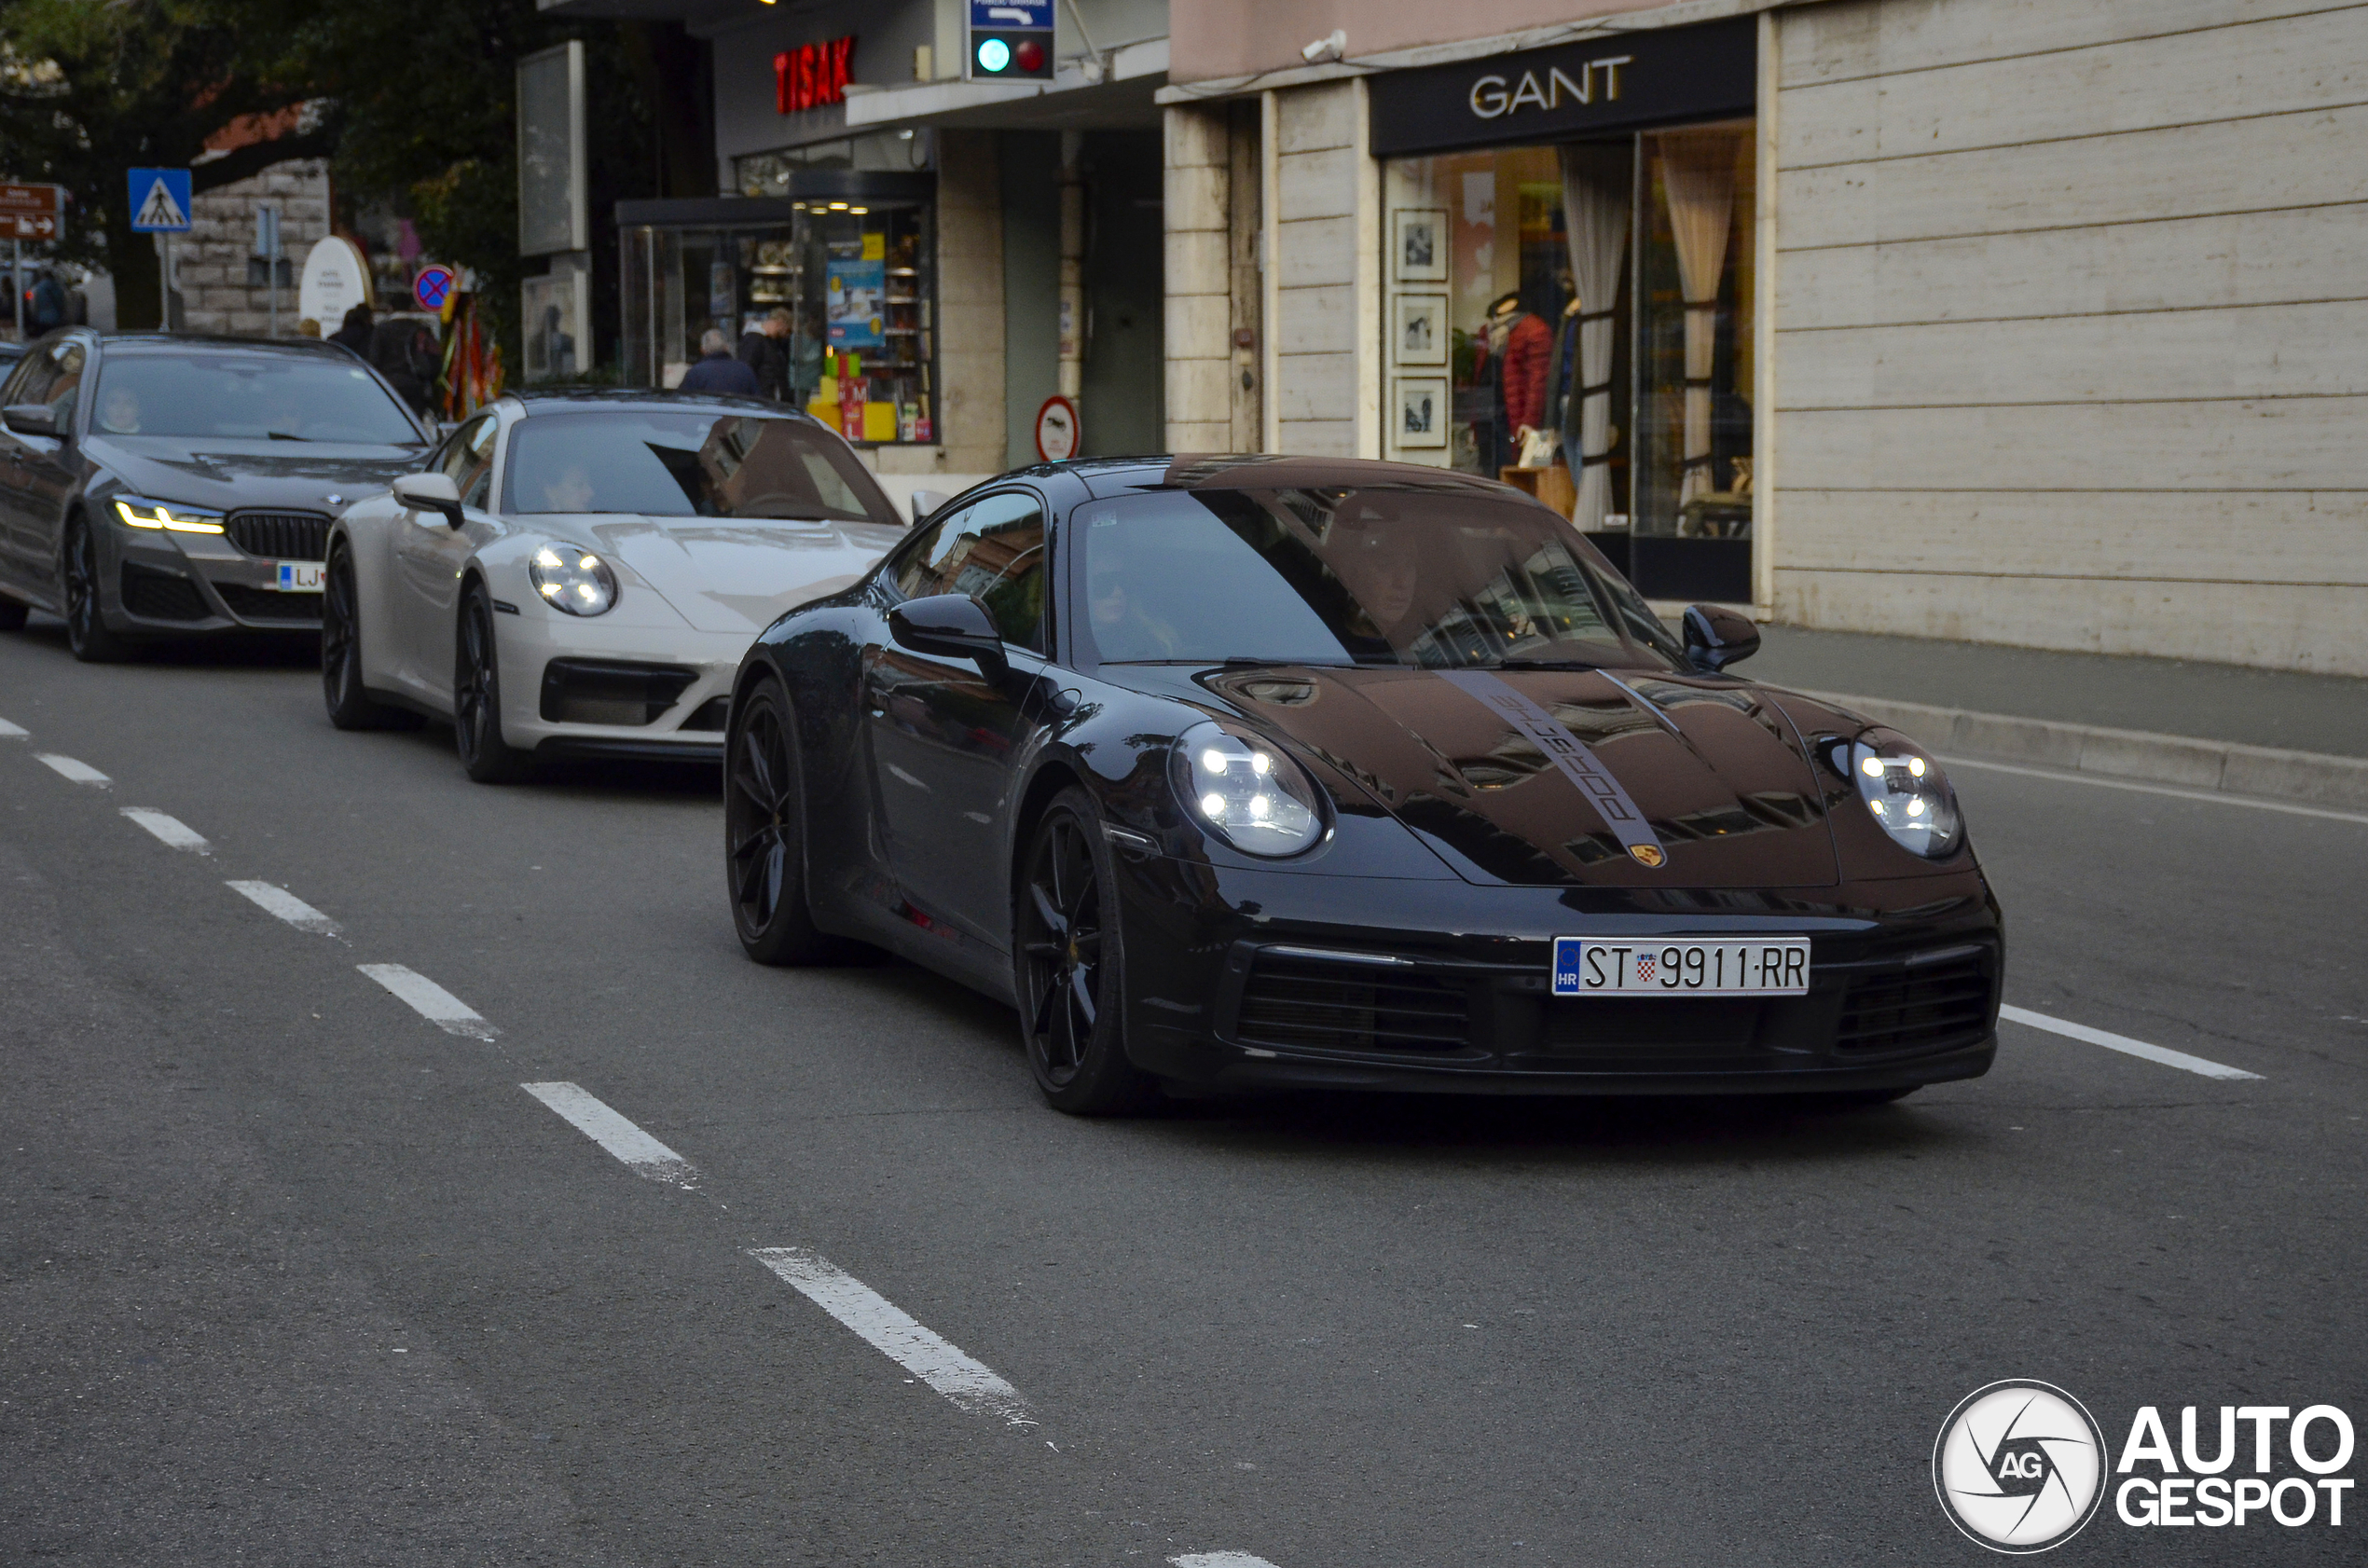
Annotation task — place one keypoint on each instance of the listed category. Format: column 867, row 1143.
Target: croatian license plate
column 1648, row 967
column 300, row 577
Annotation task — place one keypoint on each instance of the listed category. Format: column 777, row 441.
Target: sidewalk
column 2210, row 727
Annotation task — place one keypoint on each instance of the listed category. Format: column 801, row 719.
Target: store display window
column 840, row 290
column 1578, row 320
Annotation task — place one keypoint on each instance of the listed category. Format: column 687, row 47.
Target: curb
column 2224, row 766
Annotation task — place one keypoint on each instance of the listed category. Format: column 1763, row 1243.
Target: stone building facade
column 222, row 286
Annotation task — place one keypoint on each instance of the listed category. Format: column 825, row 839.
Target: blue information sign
column 159, row 200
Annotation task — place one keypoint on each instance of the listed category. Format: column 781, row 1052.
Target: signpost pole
column 16, row 282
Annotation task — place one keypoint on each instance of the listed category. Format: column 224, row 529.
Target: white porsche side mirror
column 429, row 492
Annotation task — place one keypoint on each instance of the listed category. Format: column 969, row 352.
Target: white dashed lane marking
column 169, row 830
column 66, row 767
column 430, row 1000
column 1220, row 1560
column 287, row 906
column 11, row 732
column 2124, row 1044
column 892, row 1331
column 643, row 1154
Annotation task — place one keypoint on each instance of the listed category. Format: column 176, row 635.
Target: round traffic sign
column 1056, row 430
column 432, row 287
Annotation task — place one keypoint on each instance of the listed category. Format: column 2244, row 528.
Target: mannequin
column 1522, row 349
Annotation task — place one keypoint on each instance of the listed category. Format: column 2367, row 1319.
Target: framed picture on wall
column 1418, row 329
column 1418, row 245
column 1420, row 410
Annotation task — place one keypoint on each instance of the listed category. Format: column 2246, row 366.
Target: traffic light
column 1008, row 41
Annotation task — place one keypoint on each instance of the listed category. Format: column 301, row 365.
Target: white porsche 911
column 579, row 573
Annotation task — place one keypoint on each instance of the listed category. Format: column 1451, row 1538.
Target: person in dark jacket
column 765, row 350
column 406, row 356
column 716, row 370
column 355, row 333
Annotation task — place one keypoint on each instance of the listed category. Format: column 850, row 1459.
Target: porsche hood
column 723, row 575
column 1564, row 778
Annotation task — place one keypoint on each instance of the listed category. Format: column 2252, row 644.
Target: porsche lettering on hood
column 722, row 575
column 1715, row 772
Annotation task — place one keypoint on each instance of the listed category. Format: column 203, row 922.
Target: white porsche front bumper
column 592, row 688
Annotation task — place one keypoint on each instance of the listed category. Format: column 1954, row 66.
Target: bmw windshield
column 1436, row 580
column 209, row 393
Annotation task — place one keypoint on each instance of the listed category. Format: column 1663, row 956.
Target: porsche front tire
column 765, row 833
column 476, row 697
column 1072, row 966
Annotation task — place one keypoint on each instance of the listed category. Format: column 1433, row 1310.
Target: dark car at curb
column 164, row 484
column 1393, row 768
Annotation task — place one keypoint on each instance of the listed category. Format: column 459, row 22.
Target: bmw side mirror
column 953, row 624
column 1717, row 637
column 30, row 418
column 429, row 492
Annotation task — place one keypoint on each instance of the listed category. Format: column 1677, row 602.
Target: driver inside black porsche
column 1381, row 576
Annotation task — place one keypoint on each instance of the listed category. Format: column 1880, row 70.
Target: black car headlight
column 574, row 580
column 1905, row 789
column 1244, row 791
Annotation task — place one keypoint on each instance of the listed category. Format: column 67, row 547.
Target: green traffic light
column 994, row 55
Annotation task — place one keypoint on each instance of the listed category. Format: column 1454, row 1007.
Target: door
column 429, row 553
column 51, row 466
column 24, row 564
column 944, row 738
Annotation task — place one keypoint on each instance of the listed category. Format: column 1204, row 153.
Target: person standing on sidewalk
column 764, row 351
column 716, row 370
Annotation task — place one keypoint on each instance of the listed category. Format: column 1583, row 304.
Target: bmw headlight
column 1244, row 791
column 1905, row 789
column 573, row 580
column 165, row 514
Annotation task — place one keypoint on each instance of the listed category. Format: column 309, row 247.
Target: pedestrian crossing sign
column 159, row 200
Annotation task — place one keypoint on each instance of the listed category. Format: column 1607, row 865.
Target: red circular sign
column 1056, row 430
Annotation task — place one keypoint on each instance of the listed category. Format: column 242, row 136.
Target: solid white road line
column 287, row 906
column 2123, row 1043
column 430, row 1000
column 169, row 830
column 1220, row 1560
column 66, row 767
column 641, row 1154
column 2214, row 796
column 894, row 1334
column 11, row 732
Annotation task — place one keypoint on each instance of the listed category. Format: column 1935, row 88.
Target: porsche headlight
column 1906, row 790
column 1244, row 791
column 573, row 580
column 140, row 514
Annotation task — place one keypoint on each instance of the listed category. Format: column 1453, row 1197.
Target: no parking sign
column 433, row 287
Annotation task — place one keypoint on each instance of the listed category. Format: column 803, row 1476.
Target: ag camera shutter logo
column 2020, row 1466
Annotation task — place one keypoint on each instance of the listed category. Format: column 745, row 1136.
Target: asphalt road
column 289, row 1274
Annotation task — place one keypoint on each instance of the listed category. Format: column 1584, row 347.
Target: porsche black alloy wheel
column 1072, row 971
column 87, row 634
column 476, row 698
column 765, row 833
column 12, row 612
column 350, row 706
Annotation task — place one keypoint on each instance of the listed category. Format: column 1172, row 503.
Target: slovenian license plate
column 1648, row 967
column 300, row 577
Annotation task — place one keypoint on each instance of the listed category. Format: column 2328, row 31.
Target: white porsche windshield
column 662, row 464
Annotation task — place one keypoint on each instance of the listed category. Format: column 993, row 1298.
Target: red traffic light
column 1029, row 56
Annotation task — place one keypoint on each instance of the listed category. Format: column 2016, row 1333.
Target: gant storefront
column 1568, row 291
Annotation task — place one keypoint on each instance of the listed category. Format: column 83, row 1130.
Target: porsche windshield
column 1432, row 579
column 246, row 395
column 688, row 465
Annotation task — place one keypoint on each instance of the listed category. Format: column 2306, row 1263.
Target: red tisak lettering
column 812, row 74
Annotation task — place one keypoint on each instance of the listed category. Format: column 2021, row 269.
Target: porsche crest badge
column 1649, row 856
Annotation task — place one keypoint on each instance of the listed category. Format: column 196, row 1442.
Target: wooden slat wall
column 2071, row 325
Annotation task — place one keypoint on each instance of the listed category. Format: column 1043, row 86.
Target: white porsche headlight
column 1244, row 791
column 573, row 578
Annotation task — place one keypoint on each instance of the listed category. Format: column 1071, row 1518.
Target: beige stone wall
column 2069, row 307
column 1199, row 279
column 1325, row 261
column 210, row 260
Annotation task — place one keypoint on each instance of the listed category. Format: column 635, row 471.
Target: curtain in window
column 1596, row 181
column 1698, row 173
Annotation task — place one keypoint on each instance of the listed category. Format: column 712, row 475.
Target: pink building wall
column 1215, row 39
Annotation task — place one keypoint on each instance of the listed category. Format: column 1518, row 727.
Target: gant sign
column 1652, row 77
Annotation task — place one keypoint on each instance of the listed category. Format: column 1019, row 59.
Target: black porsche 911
column 1242, row 772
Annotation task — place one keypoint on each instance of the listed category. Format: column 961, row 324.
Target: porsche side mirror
column 954, row 625
column 30, row 418
column 429, row 492
column 1717, row 637
column 925, row 502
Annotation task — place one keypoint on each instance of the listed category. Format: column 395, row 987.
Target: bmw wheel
column 476, row 697
column 351, row 706
column 88, row 635
column 1073, row 969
